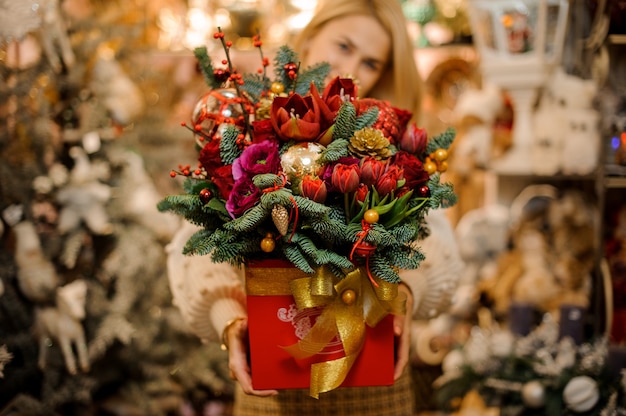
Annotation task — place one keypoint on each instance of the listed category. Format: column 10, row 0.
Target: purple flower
column 256, row 159
column 243, row 196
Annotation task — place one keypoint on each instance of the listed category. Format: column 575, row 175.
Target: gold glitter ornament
column 280, row 216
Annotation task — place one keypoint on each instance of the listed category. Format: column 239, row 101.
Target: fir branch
column 404, row 233
column 246, row 223
column 367, row 118
column 254, row 85
column 315, row 74
column 266, row 180
column 193, row 186
column 441, row 141
column 285, row 55
column 206, row 66
column 294, row 254
column 229, row 151
column 405, row 257
column 345, row 122
column 379, row 266
column 310, row 208
column 198, row 244
column 441, row 194
column 337, row 149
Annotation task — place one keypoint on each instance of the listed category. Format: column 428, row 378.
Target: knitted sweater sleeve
column 435, row 281
column 207, row 294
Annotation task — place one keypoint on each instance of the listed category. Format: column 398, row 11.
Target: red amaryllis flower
column 345, row 178
column 371, row 170
column 296, row 118
column 256, row 159
column 388, row 182
column 313, row 188
column 223, row 178
column 243, row 196
column 263, row 130
column 414, row 140
column 209, row 157
column 414, row 172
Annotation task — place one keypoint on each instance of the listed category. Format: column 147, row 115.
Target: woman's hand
column 402, row 330
column 236, row 337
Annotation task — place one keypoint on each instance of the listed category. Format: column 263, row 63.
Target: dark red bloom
column 414, row 172
column 243, row 196
column 263, row 130
column 223, row 178
column 209, row 157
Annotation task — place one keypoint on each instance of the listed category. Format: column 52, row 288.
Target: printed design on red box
column 303, row 321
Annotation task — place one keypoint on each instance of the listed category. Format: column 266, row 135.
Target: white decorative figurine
column 63, row 323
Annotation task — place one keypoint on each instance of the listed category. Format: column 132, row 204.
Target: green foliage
column 229, row 151
column 334, row 151
column 315, row 74
column 441, row 194
column 254, row 85
column 367, row 118
column 345, row 122
column 441, row 141
column 206, row 66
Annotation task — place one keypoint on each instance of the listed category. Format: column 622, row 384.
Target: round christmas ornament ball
column 534, row 394
column 221, row 105
column 301, row 159
column 205, row 195
column 581, row 394
column 268, row 244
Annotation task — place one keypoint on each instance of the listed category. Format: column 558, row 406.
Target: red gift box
column 274, row 322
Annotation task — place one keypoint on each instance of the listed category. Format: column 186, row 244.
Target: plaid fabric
column 396, row 400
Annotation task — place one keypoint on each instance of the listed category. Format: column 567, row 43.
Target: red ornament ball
column 423, row 191
column 205, row 195
column 365, row 249
column 221, row 105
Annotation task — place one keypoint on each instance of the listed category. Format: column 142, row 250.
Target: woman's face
column 356, row 46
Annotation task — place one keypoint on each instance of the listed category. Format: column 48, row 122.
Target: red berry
column 173, row 174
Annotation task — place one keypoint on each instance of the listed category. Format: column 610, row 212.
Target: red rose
column 371, row 170
column 388, row 182
column 263, row 130
column 404, row 117
column 313, row 188
column 209, row 157
column 244, row 196
column 345, row 178
column 296, row 118
column 414, row 172
column 223, row 178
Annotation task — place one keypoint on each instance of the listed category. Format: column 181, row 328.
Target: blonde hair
column 400, row 83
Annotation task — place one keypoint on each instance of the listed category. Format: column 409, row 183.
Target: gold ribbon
column 348, row 305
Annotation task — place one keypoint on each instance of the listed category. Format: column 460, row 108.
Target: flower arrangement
column 294, row 169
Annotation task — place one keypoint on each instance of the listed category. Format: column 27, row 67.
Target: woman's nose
column 348, row 66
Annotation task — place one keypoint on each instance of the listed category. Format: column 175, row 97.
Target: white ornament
column 581, row 394
column 36, row 274
column 534, row 394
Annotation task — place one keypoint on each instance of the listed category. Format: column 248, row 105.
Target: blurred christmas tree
column 79, row 230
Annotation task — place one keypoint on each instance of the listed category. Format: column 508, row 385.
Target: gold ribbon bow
column 349, row 304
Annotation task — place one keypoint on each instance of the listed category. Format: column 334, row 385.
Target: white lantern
column 520, row 42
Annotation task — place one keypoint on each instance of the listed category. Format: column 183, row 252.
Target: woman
column 367, row 40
